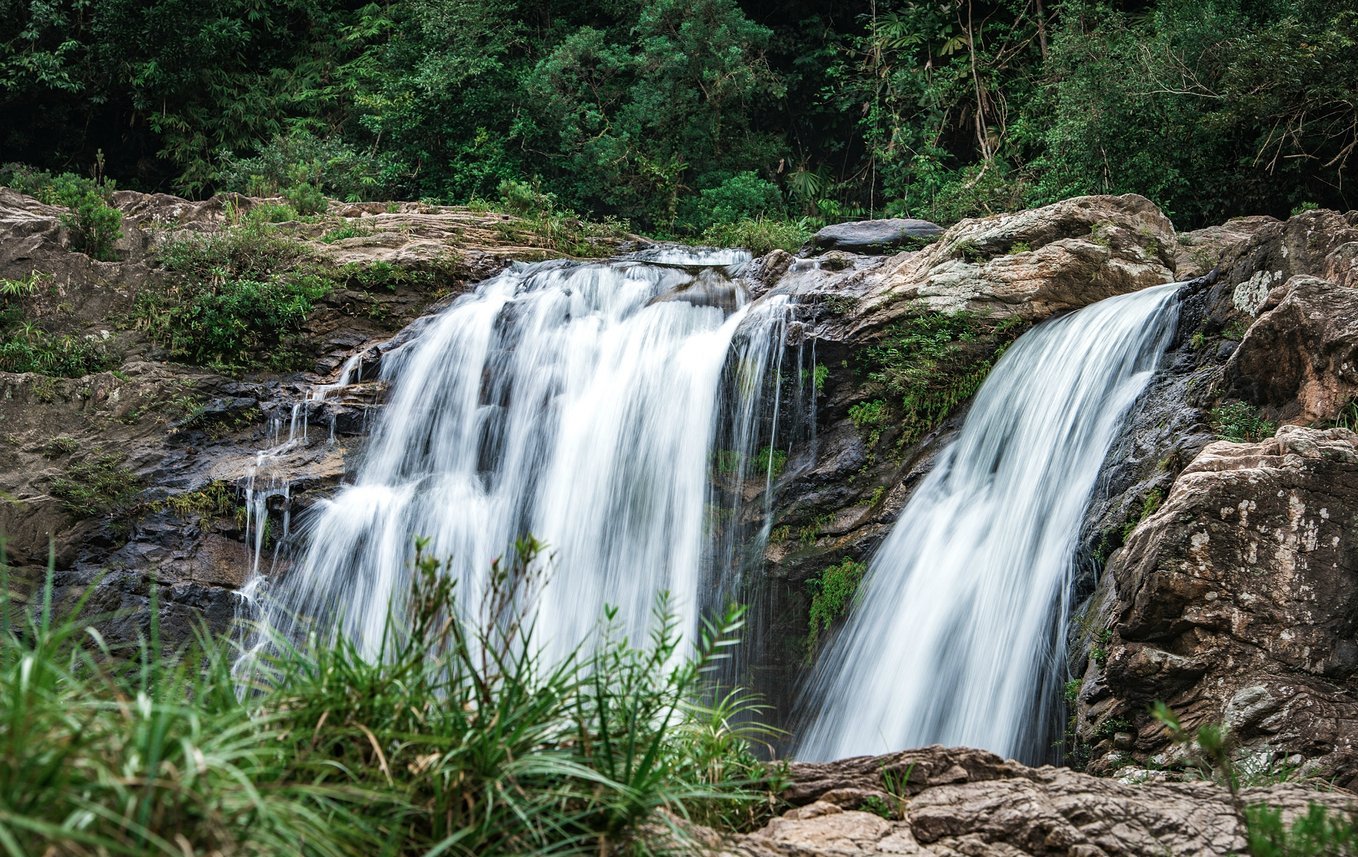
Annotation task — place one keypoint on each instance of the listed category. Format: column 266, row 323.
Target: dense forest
column 676, row 114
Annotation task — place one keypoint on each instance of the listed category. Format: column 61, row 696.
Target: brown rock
column 1013, row 811
column 1300, row 358
column 1237, row 602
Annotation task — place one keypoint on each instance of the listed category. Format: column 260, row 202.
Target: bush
column 453, row 740
column 1240, row 422
column 243, row 292
column 334, row 166
column 744, row 196
column 759, row 236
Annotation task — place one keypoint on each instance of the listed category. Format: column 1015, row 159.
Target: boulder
column 876, row 236
column 1237, row 602
column 1032, row 264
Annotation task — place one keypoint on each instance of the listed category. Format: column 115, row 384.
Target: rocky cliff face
column 132, row 475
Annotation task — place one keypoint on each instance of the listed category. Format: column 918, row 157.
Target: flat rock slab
column 876, row 236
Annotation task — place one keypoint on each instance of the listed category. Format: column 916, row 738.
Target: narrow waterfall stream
column 957, row 634
column 579, row 403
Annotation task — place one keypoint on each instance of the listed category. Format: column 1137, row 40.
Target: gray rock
column 876, row 236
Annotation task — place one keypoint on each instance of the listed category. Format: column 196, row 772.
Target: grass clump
column 832, row 594
column 759, row 235
column 98, row 485
column 25, row 346
column 925, row 365
column 456, row 738
column 1240, row 422
column 242, row 294
column 1318, row 833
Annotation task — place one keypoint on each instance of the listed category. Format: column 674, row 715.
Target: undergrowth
column 241, row 297
column 924, row 366
column 1240, row 422
column 456, row 739
column 832, row 595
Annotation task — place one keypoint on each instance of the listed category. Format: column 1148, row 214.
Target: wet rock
column 876, row 236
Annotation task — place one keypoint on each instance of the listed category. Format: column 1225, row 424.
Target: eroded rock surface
column 938, row 802
column 1237, row 603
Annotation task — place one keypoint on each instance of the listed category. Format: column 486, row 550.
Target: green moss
column 925, row 365
column 770, row 460
column 833, row 592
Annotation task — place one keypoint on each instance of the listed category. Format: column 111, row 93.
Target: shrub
column 336, row 167
column 305, row 198
column 95, row 225
column 454, row 739
column 525, row 199
column 833, row 592
column 744, row 196
column 31, row 349
column 242, row 293
column 1318, row 833
column 1240, row 422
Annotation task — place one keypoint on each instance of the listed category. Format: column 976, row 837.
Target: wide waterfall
column 958, row 630
column 579, row 403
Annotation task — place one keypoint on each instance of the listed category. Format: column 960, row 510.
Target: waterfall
column 579, row 403
column 957, row 632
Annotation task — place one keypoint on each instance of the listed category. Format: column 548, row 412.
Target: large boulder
column 1237, row 602
column 938, row 802
column 876, row 236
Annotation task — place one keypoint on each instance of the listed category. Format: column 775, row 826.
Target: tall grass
column 458, row 740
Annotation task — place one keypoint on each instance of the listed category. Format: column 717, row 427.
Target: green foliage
column 926, row 364
column 305, row 198
column 95, row 225
column 455, row 740
column 348, row 230
column 832, row 594
column 742, row 197
column 1318, row 833
column 27, row 348
column 760, row 236
column 770, row 461
column 241, row 294
column 96, row 486
column 1240, row 422
column 680, row 115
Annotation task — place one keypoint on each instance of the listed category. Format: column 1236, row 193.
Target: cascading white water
column 577, row 403
column 959, row 621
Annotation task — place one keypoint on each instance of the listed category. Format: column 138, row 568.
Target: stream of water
column 957, row 635
column 579, row 403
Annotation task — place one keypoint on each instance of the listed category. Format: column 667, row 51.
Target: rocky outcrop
column 876, row 236
column 937, row 802
column 1299, row 360
column 1237, row 603
column 134, row 476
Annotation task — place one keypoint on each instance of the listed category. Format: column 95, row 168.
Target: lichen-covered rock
column 1237, row 602
column 1033, row 263
column 1300, row 358
column 938, row 802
